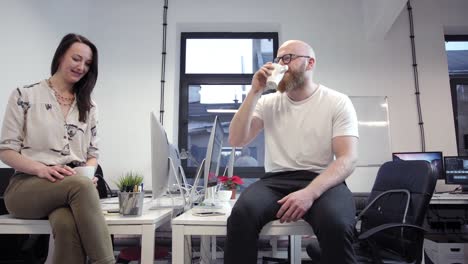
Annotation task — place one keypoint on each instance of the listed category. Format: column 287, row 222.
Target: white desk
column 188, row 224
column 144, row 225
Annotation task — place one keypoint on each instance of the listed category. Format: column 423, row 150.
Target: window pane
column 462, row 111
column 457, row 57
column 218, row 94
column 234, row 56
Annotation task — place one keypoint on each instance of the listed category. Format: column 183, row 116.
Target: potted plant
column 130, row 182
column 131, row 193
column 231, row 183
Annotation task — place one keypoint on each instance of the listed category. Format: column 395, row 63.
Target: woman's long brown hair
column 85, row 85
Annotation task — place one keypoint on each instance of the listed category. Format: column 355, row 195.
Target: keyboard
column 450, row 196
column 206, row 209
column 166, row 202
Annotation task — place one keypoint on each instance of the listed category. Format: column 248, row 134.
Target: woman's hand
column 95, row 179
column 52, row 173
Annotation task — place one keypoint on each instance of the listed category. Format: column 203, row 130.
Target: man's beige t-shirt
column 298, row 135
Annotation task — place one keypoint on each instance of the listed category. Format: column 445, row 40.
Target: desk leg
column 296, row 249
column 147, row 244
column 188, row 249
column 213, row 247
column 50, row 254
column 178, row 244
column 205, row 256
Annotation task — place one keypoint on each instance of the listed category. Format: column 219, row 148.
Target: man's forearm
column 240, row 123
column 334, row 174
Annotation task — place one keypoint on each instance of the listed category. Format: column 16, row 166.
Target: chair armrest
column 380, row 228
column 392, row 191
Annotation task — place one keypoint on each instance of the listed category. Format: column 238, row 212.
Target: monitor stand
column 210, row 198
column 168, row 200
column 194, row 196
column 209, row 204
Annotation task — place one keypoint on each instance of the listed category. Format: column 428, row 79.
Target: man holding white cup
column 306, row 125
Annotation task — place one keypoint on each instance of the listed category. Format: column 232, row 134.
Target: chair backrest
column 419, row 179
column 102, row 186
column 5, row 175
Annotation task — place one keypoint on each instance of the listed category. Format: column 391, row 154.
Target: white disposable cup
column 87, row 171
column 224, row 195
column 276, row 76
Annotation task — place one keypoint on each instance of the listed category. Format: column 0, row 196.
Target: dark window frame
column 214, row 79
column 454, row 81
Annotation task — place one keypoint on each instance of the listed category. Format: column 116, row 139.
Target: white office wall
column 128, row 35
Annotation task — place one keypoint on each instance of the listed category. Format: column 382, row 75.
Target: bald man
column 311, row 139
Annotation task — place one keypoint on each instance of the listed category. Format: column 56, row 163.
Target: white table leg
column 205, row 249
column 50, row 253
column 213, row 247
column 296, row 249
column 177, row 244
column 147, row 244
column 187, row 249
column 274, row 246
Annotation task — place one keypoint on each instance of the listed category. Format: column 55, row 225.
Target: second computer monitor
column 213, row 154
column 433, row 157
column 456, row 170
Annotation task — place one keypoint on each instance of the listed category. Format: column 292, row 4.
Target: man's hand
column 95, row 180
column 294, row 206
column 260, row 77
column 52, row 173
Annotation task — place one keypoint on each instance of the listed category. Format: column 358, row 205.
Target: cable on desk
column 452, row 191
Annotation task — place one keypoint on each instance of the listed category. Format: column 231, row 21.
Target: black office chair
column 390, row 225
column 19, row 248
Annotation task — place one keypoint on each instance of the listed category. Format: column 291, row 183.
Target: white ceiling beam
column 379, row 16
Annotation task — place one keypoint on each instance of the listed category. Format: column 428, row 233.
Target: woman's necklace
column 62, row 100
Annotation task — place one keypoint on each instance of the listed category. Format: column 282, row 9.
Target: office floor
column 163, row 247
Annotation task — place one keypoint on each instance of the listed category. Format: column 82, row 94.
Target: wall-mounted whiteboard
column 374, row 130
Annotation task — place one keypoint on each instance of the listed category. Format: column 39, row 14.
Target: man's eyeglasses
column 287, row 58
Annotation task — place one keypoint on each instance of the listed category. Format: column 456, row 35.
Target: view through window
column 457, row 57
column 215, row 76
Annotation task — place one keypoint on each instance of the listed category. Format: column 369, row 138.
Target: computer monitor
column 213, row 155
column 210, row 165
column 165, row 160
column 456, row 171
column 433, row 157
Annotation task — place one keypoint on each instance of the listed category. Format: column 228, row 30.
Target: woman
column 50, row 127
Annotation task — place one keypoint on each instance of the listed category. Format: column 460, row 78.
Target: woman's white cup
column 87, row 171
column 276, row 76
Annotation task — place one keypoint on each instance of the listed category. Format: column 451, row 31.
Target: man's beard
column 292, row 80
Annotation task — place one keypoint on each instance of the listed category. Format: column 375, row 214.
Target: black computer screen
column 433, row 157
column 456, row 170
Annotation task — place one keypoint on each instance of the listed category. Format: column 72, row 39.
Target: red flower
column 230, row 182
